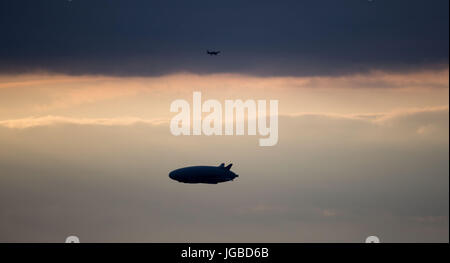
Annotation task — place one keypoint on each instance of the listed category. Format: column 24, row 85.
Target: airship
column 203, row 174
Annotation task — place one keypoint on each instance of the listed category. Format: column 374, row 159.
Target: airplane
column 203, row 174
column 212, row 53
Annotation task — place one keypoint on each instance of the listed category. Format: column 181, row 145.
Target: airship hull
column 203, row 174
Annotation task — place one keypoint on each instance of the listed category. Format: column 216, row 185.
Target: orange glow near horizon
column 23, row 96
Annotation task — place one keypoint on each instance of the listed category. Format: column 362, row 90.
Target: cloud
column 423, row 118
column 405, row 114
column 150, row 97
column 417, row 115
column 291, row 38
column 379, row 118
column 31, row 122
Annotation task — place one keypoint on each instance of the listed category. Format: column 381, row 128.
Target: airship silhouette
column 203, row 174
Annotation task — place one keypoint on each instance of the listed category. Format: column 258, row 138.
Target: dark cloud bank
column 257, row 37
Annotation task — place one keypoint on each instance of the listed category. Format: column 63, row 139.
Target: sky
column 86, row 148
column 145, row 38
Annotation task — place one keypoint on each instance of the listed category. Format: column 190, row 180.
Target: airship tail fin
column 228, row 167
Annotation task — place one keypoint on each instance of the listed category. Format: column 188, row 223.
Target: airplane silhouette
column 212, row 53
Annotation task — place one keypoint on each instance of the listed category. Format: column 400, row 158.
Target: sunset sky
column 85, row 144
